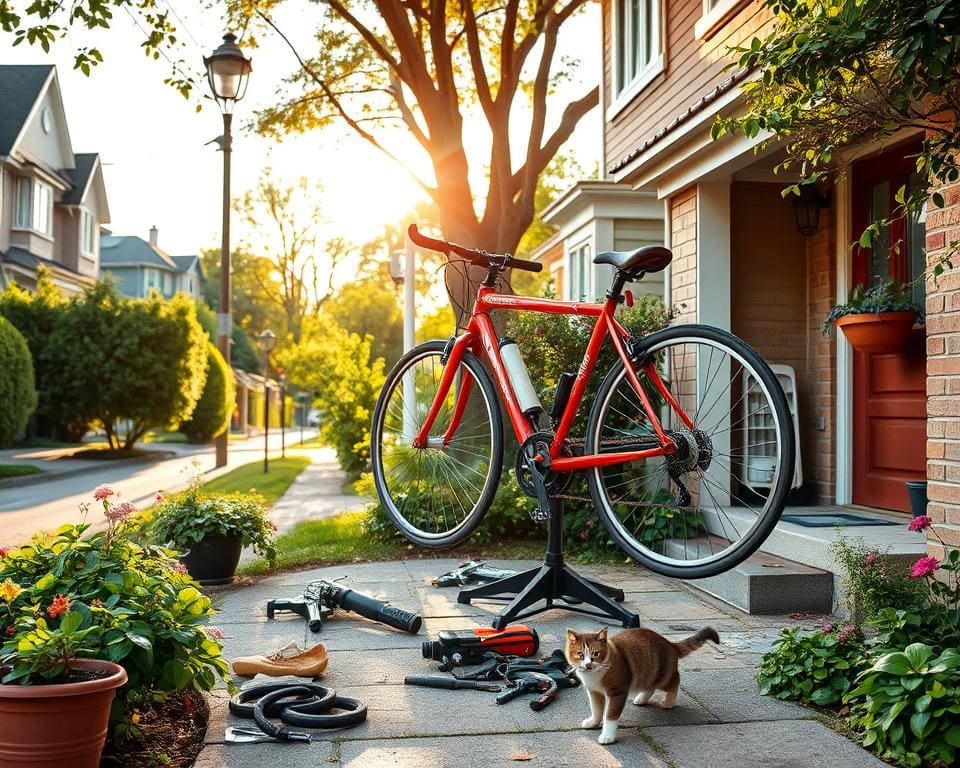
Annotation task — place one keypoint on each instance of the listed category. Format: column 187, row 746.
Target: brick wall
column 943, row 376
column 683, row 242
column 821, row 360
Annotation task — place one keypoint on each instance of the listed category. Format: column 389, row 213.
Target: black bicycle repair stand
column 551, row 582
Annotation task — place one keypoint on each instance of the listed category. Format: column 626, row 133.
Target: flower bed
column 894, row 675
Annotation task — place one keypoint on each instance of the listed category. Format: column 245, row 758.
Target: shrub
column 816, row 667
column 211, row 416
column 17, row 392
column 872, row 583
column 907, row 706
column 884, row 296
column 143, row 611
column 180, row 520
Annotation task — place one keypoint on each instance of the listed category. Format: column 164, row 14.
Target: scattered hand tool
column 452, row 683
column 474, row 572
column 524, row 682
column 465, row 647
column 321, row 597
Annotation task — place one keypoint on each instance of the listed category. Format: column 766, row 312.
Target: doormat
column 832, row 519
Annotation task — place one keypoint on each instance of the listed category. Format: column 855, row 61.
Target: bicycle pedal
column 539, row 515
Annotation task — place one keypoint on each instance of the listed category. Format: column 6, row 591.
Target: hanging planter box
column 878, row 333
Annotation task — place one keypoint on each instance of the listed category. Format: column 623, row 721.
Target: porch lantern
column 228, row 71
column 807, row 206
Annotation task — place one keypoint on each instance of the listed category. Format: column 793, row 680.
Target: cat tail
column 688, row 646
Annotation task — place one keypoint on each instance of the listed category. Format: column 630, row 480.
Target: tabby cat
column 635, row 662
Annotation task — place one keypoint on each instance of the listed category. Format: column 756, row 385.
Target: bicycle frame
column 481, row 336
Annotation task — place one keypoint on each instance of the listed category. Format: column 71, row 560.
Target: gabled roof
column 80, row 177
column 24, row 258
column 130, row 250
column 186, row 263
column 20, row 87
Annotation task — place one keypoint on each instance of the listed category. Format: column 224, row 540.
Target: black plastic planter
column 917, row 490
column 214, row 559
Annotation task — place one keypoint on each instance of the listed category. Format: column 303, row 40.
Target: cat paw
column 590, row 723
column 606, row 738
column 641, row 699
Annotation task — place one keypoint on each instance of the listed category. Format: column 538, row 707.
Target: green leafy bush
column 211, row 416
column 872, row 583
column 907, row 706
column 17, row 392
column 816, row 667
column 180, row 520
column 105, row 596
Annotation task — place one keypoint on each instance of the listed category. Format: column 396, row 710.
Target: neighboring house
column 741, row 263
column 52, row 200
column 140, row 266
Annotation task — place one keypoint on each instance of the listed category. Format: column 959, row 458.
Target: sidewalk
column 720, row 721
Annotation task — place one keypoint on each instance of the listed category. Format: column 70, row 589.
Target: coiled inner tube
column 304, row 705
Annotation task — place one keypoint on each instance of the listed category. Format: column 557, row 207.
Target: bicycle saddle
column 649, row 258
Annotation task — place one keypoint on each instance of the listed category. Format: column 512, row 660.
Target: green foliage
column 887, row 295
column 251, row 477
column 116, row 360
column 181, row 520
column 838, row 72
column 439, row 324
column 370, row 308
column 871, row 583
column 816, row 667
column 17, row 392
column 907, row 706
column 211, row 415
column 103, row 595
column 553, row 344
column 340, row 368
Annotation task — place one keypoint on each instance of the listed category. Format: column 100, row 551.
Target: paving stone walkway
column 720, row 721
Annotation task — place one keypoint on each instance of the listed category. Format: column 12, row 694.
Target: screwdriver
column 452, row 683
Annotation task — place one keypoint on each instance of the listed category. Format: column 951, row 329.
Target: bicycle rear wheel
column 708, row 507
column 437, row 494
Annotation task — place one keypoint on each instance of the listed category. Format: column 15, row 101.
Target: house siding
column 943, row 377
column 692, row 67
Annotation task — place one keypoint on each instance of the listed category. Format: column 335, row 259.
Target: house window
column 580, row 287
column 34, row 206
column 716, row 13
column 88, row 233
column 637, row 49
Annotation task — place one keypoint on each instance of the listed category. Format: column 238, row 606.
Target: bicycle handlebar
column 474, row 256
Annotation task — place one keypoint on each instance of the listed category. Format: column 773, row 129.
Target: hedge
column 211, row 417
column 17, row 391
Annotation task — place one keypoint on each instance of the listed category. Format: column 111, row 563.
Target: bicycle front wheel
column 438, row 493
column 707, row 507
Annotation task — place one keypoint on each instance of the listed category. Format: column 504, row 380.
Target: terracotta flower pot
column 51, row 726
column 877, row 333
column 213, row 560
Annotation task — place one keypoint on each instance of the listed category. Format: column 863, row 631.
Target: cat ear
column 571, row 635
column 602, row 635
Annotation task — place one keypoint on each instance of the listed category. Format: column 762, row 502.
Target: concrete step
column 767, row 584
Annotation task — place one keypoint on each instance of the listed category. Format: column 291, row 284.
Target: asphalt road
column 45, row 506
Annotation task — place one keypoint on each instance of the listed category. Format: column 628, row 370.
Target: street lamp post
column 283, row 415
column 227, row 73
column 268, row 340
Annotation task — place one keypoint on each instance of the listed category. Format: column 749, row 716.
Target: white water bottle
column 519, row 378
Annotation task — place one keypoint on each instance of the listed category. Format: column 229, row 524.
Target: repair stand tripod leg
column 554, row 584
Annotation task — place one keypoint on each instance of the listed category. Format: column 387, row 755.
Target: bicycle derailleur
column 694, row 451
column 534, row 476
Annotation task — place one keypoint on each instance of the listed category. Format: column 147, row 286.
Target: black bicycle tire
column 761, row 530
column 468, row 526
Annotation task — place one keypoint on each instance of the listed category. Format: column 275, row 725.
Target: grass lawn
column 18, row 470
column 164, row 436
column 313, row 442
column 271, row 485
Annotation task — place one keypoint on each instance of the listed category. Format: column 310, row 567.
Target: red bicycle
column 685, row 425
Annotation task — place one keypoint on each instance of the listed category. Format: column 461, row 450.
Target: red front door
column 889, row 391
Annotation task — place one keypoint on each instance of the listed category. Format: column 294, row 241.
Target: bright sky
column 151, row 140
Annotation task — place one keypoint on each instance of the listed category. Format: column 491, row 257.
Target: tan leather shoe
column 289, row 660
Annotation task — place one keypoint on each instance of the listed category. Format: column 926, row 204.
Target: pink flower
column 179, row 568
column 11, row 631
column 924, row 567
column 4, row 551
column 920, row 523
column 120, row 512
column 102, row 492
column 584, row 535
column 215, row 633
column 872, row 557
column 827, row 629
column 159, row 497
column 591, row 522
column 59, row 606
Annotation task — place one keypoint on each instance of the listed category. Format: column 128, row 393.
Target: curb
column 51, row 477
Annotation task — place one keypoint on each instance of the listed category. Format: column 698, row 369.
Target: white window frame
column 580, row 284
column 42, row 213
column 23, row 215
column 626, row 92
column 714, row 18
column 88, row 225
